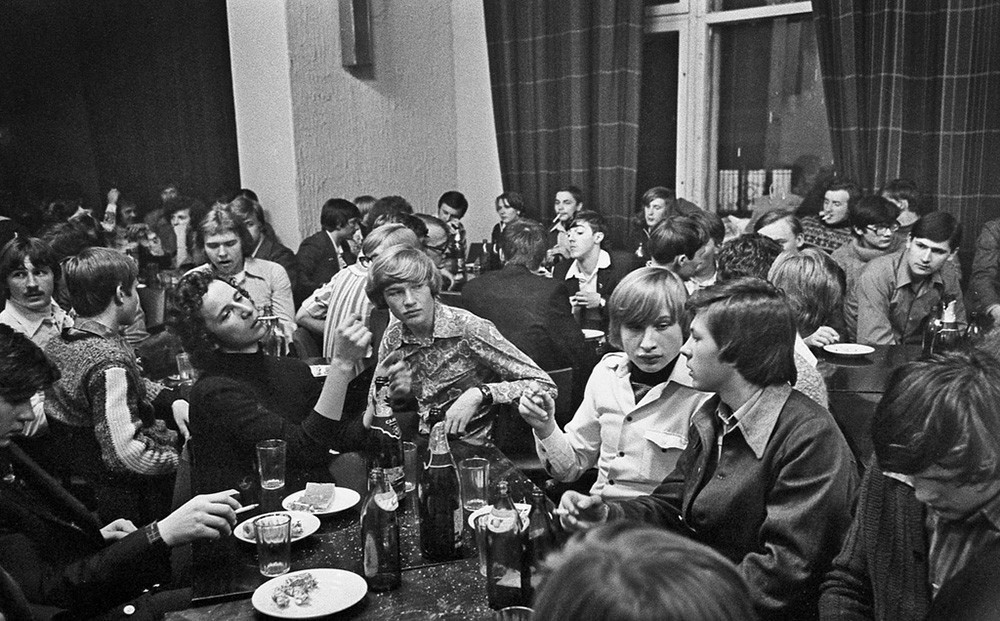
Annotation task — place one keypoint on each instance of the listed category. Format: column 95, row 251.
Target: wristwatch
column 487, row 395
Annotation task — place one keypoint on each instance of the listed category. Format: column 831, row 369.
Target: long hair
column 814, row 285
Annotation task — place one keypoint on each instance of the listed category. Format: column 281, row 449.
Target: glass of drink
column 274, row 544
column 411, row 466
column 474, row 478
column 271, row 463
column 185, row 370
column 481, row 541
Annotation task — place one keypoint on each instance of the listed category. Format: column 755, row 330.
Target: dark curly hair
column 24, row 368
column 186, row 319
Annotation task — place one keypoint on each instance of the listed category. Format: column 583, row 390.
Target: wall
column 258, row 44
column 419, row 125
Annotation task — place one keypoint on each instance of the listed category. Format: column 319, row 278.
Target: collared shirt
column 893, row 307
column 463, row 351
column 561, row 245
column 588, row 282
column 37, row 326
column 268, row 285
column 634, row 445
column 693, row 284
column 345, row 297
column 803, row 350
column 752, row 421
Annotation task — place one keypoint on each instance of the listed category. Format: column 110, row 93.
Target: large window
column 751, row 120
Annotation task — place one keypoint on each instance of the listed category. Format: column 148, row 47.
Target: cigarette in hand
column 246, row 508
column 561, row 511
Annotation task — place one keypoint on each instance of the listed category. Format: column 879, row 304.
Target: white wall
column 258, row 50
column 420, row 125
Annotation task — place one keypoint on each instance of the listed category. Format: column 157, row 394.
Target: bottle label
column 387, row 501
column 458, row 516
column 386, row 423
column 394, row 475
column 502, row 523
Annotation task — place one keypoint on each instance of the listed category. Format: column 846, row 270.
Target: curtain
column 913, row 91
column 565, row 82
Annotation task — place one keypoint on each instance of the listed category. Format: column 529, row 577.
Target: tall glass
column 274, row 544
column 474, row 474
column 271, row 463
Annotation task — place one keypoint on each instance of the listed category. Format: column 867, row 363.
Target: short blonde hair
column 401, row 264
column 640, row 297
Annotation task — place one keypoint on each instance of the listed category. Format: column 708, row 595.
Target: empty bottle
column 507, row 573
column 441, row 516
column 380, row 534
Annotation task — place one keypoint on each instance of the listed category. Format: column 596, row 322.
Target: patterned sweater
column 101, row 388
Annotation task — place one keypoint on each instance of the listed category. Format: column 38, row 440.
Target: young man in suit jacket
column 322, row 254
column 589, row 274
column 530, row 310
column 54, row 549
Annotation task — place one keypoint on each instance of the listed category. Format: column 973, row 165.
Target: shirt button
column 611, row 482
column 621, row 453
column 628, row 419
column 128, row 610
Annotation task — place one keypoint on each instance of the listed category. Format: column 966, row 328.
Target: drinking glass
column 474, row 478
column 274, row 544
column 271, row 463
column 480, row 535
column 185, row 370
column 411, row 466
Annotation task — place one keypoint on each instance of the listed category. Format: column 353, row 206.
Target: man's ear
column 120, row 295
column 598, row 238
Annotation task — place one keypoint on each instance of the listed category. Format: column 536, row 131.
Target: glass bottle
column 385, row 444
column 273, row 341
column 542, row 536
column 380, row 534
column 434, row 416
column 943, row 331
column 507, row 573
column 441, row 516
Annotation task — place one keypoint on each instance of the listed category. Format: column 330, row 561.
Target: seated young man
column 530, row 310
column 452, row 207
column 323, row 254
column 57, row 553
column 29, row 270
column 569, row 201
column 459, row 362
column 684, row 245
column 873, row 224
column 898, row 292
column 104, row 417
column 589, row 274
column 783, row 227
column 767, row 478
column 831, row 229
column 930, row 503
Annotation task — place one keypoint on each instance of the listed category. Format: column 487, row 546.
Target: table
column 855, row 386
column 225, row 572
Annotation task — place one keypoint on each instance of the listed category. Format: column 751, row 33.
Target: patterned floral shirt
column 463, row 351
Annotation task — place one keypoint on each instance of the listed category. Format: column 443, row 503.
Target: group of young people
column 708, row 421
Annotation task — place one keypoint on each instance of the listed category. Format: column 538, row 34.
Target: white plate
column 523, row 508
column 336, row 590
column 589, row 335
column 309, row 522
column 849, row 349
column 344, row 498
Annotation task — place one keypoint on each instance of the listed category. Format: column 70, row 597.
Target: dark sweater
column 241, row 399
column 881, row 571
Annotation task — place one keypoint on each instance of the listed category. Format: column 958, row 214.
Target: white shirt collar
column 603, row 262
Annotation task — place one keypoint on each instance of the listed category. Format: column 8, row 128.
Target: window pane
column 773, row 129
column 728, row 5
column 658, row 112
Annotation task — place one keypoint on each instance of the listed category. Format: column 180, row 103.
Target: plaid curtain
column 913, row 91
column 565, row 80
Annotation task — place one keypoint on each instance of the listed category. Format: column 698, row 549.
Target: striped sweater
column 101, row 387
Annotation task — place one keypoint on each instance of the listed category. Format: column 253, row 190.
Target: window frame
column 698, row 85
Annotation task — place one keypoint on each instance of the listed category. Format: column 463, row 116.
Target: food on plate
column 316, row 498
column 251, row 532
column 295, row 589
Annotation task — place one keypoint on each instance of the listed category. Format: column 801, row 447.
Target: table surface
column 226, row 570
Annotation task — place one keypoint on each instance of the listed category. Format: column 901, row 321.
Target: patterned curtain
column 565, row 79
column 913, row 91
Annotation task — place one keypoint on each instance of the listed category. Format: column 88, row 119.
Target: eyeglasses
column 883, row 229
column 439, row 248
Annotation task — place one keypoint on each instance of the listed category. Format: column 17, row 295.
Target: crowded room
column 500, row 310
